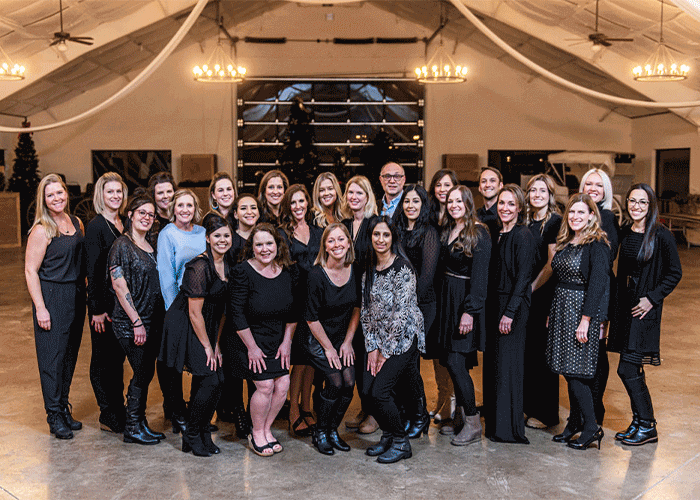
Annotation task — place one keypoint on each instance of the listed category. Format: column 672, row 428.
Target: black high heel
column 566, row 435
column 583, row 443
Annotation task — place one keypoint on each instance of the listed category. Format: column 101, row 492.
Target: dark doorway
column 673, row 174
column 514, row 163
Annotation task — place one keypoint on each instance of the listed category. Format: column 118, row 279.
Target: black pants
column 379, row 390
column 204, row 396
column 107, row 370
column 358, row 345
column 170, row 381
column 142, row 359
column 581, row 401
column 600, row 382
column 57, row 348
column 459, row 364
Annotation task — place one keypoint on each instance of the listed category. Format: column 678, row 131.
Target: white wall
column 666, row 131
column 496, row 109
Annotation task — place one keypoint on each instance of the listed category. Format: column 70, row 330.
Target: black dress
column 464, row 288
column 332, row 306
column 265, row 305
column 362, row 241
column 180, row 347
column 512, row 260
column 304, row 255
column 541, row 398
column 581, row 282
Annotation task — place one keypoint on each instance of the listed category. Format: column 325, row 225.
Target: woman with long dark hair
column 648, row 271
column 191, row 333
column 581, row 270
column 53, row 269
column 508, row 306
column 393, row 331
column 541, row 397
column 270, row 193
column 138, row 312
column 598, row 186
column 107, row 360
column 333, row 315
column 466, row 256
column 421, row 243
column 303, row 238
column 262, row 308
column 441, row 183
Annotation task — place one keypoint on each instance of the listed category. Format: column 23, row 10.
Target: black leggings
column 581, row 400
column 634, row 380
column 142, row 359
column 628, row 371
column 204, row 396
column 458, row 364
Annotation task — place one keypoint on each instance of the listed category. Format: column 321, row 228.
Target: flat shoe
column 260, row 450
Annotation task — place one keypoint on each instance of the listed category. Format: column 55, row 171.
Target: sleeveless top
column 63, row 260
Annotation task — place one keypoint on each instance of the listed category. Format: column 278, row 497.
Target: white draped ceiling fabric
column 148, row 71
column 557, row 79
column 690, row 7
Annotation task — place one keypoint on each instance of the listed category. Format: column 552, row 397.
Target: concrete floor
column 96, row 464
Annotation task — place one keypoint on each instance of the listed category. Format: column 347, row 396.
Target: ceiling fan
column 599, row 39
column 61, row 37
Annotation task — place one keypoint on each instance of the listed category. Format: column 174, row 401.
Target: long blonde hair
column 551, row 202
column 363, row 183
column 98, row 198
column 320, row 212
column 592, row 232
column 42, row 217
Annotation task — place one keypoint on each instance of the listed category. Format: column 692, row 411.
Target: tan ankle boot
column 471, row 432
column 369, row 426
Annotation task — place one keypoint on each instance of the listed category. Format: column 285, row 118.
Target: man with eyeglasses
column 393, row 178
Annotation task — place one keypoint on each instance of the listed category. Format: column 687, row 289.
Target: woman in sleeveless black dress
column 54, row 270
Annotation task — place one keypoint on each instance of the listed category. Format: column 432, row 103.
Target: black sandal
column 259, row 450
column 305, row 432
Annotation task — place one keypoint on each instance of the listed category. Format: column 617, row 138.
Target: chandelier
column 220, row 68
column 661, row 66
column 8, row 70
column 440, row 68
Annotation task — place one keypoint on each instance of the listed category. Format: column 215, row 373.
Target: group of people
column 289, row 290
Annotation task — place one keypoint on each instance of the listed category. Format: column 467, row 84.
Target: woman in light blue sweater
column 178, row 243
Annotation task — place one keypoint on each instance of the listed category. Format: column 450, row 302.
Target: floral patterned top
column 391, row 318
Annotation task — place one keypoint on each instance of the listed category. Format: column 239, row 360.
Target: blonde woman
column 107, row 360
column 580, row 268
column 327, row 199
column 53, row 270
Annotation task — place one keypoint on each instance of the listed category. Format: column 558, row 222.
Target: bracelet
column 135, row 325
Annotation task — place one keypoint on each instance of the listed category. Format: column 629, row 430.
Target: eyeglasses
column 641, row 203
column 396, row 177
column 145, row 215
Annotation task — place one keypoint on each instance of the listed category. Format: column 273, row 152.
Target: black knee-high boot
column 324, row 422
column 134, row 431
column 629, row 384
column 339, row 412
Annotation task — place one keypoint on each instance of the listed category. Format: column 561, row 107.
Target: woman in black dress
column 262, row 308
column 421, row 243
column 222, row 196
column 648, row 271
column 443, row 180
column 107, row 361
column 333, row 315
column 466, row 256
column 270, row 192
column 512, row 259
column 54, row 272
column 580, row 270
column 138, row 312
column 191, row 333
column 393, row 332
column 360, row 206
column 231, row 407
column 328, row 200
column 303, row 238
column 597, row 185
column 541, row 397
column 161, row 187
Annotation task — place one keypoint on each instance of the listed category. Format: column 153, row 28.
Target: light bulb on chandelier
column 441, row 69
column 219, row 68
column 9, row 70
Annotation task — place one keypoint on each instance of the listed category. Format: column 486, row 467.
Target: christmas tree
column 299, row 158
column 25, row 172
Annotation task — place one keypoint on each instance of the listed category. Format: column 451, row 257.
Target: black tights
column 204, row 396
column 458, row 366
column 339, row 383
column 628, row 371
column 581, row 401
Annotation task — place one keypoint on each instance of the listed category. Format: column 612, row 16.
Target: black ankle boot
column 155, row 434
column 400, row 449
column 209, row 444
column 381, row 447
column 133, row 430
column 192, row 442
column 320, row 440
column 70, row 421
column 631, row 429
column 58, row 426
column 420, row 421
column 646, row 433
column 179, row 423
